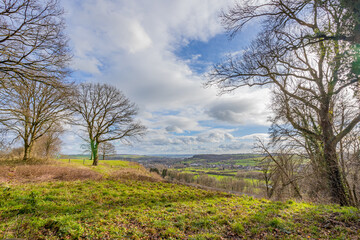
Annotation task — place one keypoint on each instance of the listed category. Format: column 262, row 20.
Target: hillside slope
column 112, row 207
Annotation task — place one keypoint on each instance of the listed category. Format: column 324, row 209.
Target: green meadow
column 148, row 208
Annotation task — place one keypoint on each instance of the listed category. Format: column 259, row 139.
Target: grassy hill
column 123, row 201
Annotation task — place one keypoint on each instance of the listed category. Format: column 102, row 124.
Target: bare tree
column 281, row 171
column 50, row 143
column 305, row 52
column 32, row 41
column 30, row 109
column 106, row 149
column 105, row 115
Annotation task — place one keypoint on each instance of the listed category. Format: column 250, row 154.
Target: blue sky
column 214, row 49
column 158, row 52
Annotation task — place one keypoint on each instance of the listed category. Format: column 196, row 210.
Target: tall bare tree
column 30, row 109
column 33, row 45
column 305, row 51
column 105, row 114
column 106, row 149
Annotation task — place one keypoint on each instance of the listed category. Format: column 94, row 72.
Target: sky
column 158, row 53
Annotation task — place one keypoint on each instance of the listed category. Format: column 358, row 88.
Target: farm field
column 239, row 173
column 227, row 159
column 118, row 208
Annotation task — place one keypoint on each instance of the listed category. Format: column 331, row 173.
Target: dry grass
column 135, row 174
column 18, row 171
column 19, row 161
column 42, row 173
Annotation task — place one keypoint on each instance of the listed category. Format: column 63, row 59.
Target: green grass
column 87, row 162
column 105, row 167
column 119, row 209
column 105, row 164
column 75, row 156
column 218, row 177
column 134, row 210
column 77, row 161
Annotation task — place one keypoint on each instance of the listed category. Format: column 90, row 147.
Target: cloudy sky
column 157, row 52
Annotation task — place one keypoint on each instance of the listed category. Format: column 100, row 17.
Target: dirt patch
column 42, row 173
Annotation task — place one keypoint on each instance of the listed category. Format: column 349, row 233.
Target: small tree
column 105, row 114
column 106, row 149
column 50, row 143
column 281, row 171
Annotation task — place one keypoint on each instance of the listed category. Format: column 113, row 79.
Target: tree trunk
column 338, row 191
column 96, row 159
column 94, row 152
column 27, row 151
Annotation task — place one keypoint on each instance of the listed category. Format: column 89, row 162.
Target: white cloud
column 249, row 107
column 131, row 45
column 215, row 136
column 261, row 136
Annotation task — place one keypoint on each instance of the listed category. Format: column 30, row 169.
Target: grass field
column 111, row 163
column 123, row 208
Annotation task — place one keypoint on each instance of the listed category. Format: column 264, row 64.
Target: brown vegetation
column 44, row 170
column 135, row 174
column 43, row 173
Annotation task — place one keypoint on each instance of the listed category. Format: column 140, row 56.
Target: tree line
column 36, row 97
